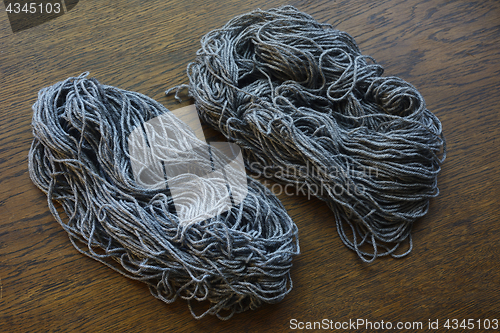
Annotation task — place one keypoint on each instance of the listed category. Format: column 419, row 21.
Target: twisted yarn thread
column 80, row 158
column 307, row 107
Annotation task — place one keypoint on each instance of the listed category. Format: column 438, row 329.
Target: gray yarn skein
column 308, row 108
column 79, row 158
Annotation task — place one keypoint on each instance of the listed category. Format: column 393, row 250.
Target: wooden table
column 448, row 49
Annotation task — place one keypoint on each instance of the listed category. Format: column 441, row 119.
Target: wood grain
column 448, row 49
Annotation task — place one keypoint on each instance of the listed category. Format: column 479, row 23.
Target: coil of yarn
column 80, row 158
column 307, row 108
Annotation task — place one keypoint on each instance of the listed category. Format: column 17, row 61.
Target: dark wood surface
column 448, row 49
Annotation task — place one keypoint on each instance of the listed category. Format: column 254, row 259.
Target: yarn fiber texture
column 308, row 109
column 80, row 158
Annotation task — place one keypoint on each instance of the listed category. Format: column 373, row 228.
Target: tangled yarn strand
column 80, row 157
column 308, row 108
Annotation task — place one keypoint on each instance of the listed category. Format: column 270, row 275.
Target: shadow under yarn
column 236, row 260
column 306, row 107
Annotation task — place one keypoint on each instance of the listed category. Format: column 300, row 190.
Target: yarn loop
column 80, row 158
column 306, row 106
